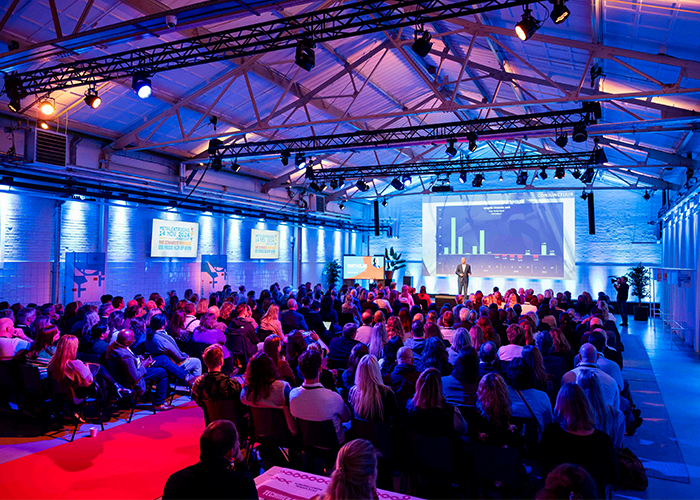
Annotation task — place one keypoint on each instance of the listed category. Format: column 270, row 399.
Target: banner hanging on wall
column 85, row 277
column 264, row 244
column 214, row 273
column 173, row 238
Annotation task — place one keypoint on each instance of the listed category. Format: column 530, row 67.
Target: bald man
column 589, row 358
column 463, row 271
column 12, row 345
column 291, row 319
column 403, row 378
column 135, row 372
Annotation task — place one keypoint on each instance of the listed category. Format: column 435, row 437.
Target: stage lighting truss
column 462, row 131
column 460, row 167
column 334, row 23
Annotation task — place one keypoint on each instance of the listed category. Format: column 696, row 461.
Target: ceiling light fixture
column 341, row 205
column 284, row 157
column 580, row 134
column 588, row 175
column 450, row 149
column 235, row 167
column 362, row 185
column 562, row 139
column 43, row 124
column 92, row 100
column 141, row 84
column 576, row 173
column 421, row 42
column 397, row 184
column 406, row 179
column 472, row 137
column 478, row 180
column 384, row 202
column 599, row 157
column 305, row 57
column 584, row 195
column 527, row 25
column 559, row 173
column 15, row 92
column 560, row 12
column 500, row 177
column 543, row 173
column 462, row 177
column 647, row 196
column 47, row 106
column 214, row 145
column 521, row 180
column 300, row 160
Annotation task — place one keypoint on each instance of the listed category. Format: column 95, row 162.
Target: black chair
column 528, row 429
column 345, row 318
column 64, row 395
column 319, row 440
column 377, row 433
column 236, row 346
column 9, row 385
column 430, row 465
column 224, row 409
column 269, row 426
column 263, row 334
column 499, row 469
column 470, row 413
column 33, row 393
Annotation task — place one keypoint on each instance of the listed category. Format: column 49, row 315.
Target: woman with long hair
column 296, row 345
column 493, row 425
column 391, row 350
column 91, row 319
column 606, row 418
column 477, row 336
column 263, row 389
column 349, row 307
column 271, row 321
column 394, row 328
column 533, row 357
column 355, row 474
column 177, row 329
column 460, row 340
column 430, row 412
column 370, row 398
column 435, row 356
column 562, row 348
column 377, row 340
column 405, row 297
column 272, row 346
column 43, row 348
column 490, row 333
column 226, row 312
column 202, row 307
column 574, row 439
column 405, row 320
column 348, row 378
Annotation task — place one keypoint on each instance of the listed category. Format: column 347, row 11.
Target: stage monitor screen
column 511, row 235
column 174, row 238
column 363, row 267
column 264, row 244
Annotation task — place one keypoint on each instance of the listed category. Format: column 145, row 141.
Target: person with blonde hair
column 271, row 321
column 377, row 340
column 202, row 307
column 429, row 413
column 607, row 419
column 369, row 397
column 460, row 340
column 355, row 474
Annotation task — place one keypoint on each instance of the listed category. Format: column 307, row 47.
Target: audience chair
column 63, row 396
column 430, row 465
column 345, row 318
column 10, row 384
column 499, row 469
column 151, row 391
column 224, row 409
column 32, row 391
column 470, row 413
column 268, row 426
column 528, row 427
column 319, row 439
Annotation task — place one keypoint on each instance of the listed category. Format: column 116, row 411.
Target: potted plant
column 639, row 279
column 392, row 262
column 331, row 273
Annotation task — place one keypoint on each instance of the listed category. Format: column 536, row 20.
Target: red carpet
column 128, row 461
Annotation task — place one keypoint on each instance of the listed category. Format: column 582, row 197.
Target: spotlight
column 500, row 177
column 214, row 145
column 235, row 167
column 362, row 185
column 397, row 184
column 521, row 180
column 92, row 99
column 141, row 85
column 562, row 139
column 216, row 164
column 300, row 161
column 560, row 12
column 543, row 173
column 462, row 177
column 421, row 42
column 576, row 173
column 285, row 158
column 43, row 124
column 305, row 57
column 559, row 173
column 584, row 195
column 315, row 187
column 384, row 202
column 406, row 179
column 14, row 104
column 588, row 176
column 47, row 106
column 341, row 205
column 647, row 196
column 334, row 184
column 598, row 157
column 472, row 137
column 580, row 134
column 15, row 92
column 478, row 180
column 527, row 26
column 450, row 150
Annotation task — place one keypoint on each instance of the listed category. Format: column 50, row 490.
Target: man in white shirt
column 589, row 356
column 381, row 301
column 365, row 331
column 463, row 271
column 516, row 337
column 314, row 402
column 191, row 321
column 11, row 343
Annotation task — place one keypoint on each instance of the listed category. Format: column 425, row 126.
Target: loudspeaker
column 591, row 214
column 376, row 217
column 441, row 300
column 408, row 280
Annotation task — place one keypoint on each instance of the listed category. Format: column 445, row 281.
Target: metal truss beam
column 416, row 135
column 335, row 23
column 432, row 168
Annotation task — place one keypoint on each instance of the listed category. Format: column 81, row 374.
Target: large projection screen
column 511, row 235
column 172, row 238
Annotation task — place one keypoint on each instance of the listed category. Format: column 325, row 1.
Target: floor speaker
column 591, row 214
column 441, row 300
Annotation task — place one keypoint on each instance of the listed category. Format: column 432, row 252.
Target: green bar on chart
column 474, row 250
column 460, row 245
column 544, row 249
column 482, row 237
column 447, row 251
column 453, row 236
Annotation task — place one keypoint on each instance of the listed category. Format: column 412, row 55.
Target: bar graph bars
column 544, row 249
column 482, row 242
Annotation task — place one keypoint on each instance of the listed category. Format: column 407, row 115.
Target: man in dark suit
column 403, row 379
column 623, row 290
column 340, row 347
column 487, row 359
column 463, row 271
column 291, row 319
column 315, row 321
column 214, row 476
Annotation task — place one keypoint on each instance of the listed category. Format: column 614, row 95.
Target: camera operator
column 622, row 294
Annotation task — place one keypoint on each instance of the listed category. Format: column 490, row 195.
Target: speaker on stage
column 441, row 300
column 591, row 214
